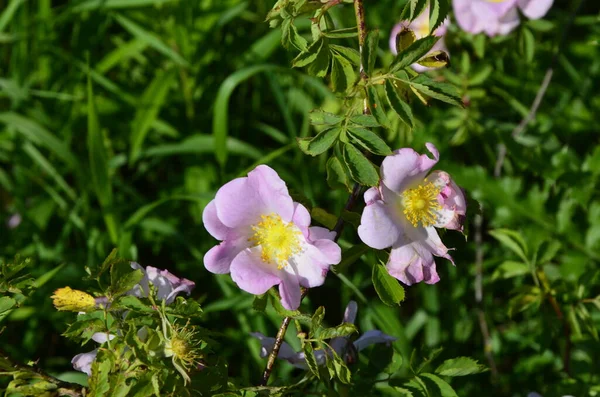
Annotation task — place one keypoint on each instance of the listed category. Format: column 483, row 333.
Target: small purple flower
column 83, row 361
column 404, row 210
column 420, row 26
column 167, row 284
column 266, row 238
column 339, row 345
column 496, row 17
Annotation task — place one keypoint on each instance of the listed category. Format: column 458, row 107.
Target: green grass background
column 171, row 78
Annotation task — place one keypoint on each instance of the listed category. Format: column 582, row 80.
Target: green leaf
column 309, row 56
column 440, row 91
column 401, row 108
column 437, row 387
column 404, row 39
column 361, row 169
column 123, row 277
column 387, row 287
column 510, row 269
column 344, row 329
column 343, row 74
column 369, row 140
column 376, row 107
column 320, row 143
column 435, row 59
column 132, row 303
column 6, row 304
column 319, row 117
column 317, row 319
column 350, row 54
column 413, row 53
column 101, row 368
column 320, row 66
column 511, row 240
column 310, row 359
column 147, row 110
column 438, row 11
column 336, row 175
column 369, row 51
column 527, row 44
column 323, row 217
column 341, row 370
column 341, row 33
column 150, row 38
column 460, row 366
column 99, row 165
column 364, row 120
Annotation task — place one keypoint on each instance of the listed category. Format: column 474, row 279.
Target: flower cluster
column 167, row 287
column 340, row 345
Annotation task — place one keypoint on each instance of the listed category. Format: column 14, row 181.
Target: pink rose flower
column 496, row 17
column 404, row 210
column 420, row 26
column 266, row 238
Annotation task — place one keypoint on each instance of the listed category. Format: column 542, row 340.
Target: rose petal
column 242, row 201
column 218, row 259
column 301, row 215
column 372, row 195
column 372, row 337
column 289, row 290
column 83, row 361
column 452, row 199
column 508, row 22
column 407, row 263
column 406, row 167
column 308, row 268
column 211, row 222
column 251, row 274
column 320, row 233
column 535, row 9
column 350, row 312
column 330, row 252
column 102, row 337
column 378, row 228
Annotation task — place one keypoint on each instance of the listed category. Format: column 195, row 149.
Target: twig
column 360, row 22
column 66, row 388
column 487, row 340
column 518, row 130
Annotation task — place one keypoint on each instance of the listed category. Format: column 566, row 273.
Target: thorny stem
column 362, row 32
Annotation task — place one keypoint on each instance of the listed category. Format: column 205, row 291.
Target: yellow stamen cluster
column 279, row 240
column 73, row 300
column 183, row 349
column 420, row 204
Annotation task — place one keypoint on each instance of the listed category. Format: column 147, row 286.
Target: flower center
column 420, row 204
column 279, row 240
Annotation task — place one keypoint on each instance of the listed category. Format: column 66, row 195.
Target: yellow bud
column 73, row 300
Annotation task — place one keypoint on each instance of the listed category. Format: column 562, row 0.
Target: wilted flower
column 181, row 345
column 420, row 27
column 404, row 211
column 73, row 300
column 167, row 284
column 496, row 17
column 267, row 238
column 340, row 345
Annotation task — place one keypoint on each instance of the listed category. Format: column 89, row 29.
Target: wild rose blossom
column 420, row 26
column 496, row 17
column 339, row 345
column 404, row 210
column 168, row 286
column 266, row 238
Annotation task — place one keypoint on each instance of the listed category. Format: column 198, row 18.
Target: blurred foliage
column 112, row 111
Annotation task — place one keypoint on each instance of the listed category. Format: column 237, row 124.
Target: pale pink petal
column 330, row 252
column 320, row 233
column 406, row 263
column 301, row 215
column 102, row 337
column 430, row 240
column 372, row 337
column 251, row 274
column 309, row 268
column 242, row 201
column 508, row 22
column 289, row 290
column 372, row 195
column 350, row 312
column 535, row 9
column 395, row 30
column 211, row 222
column 406, row 167
column 141, row 289
column 218, row 259
column 378, row 228
column 83, row 362
column 465, row 16
column 266, row 347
